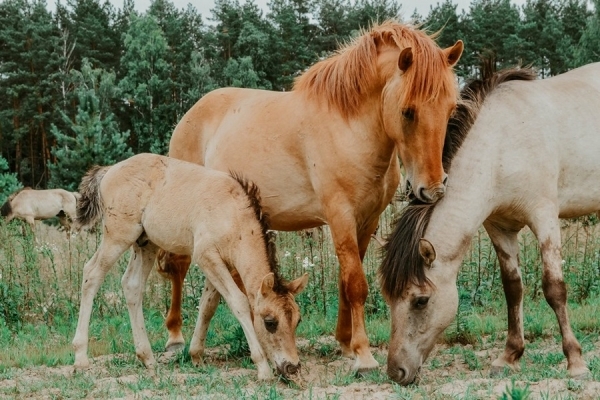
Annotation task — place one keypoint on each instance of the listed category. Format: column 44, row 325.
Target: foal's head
column 276, row 317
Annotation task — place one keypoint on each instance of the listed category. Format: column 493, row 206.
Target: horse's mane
column 253, row 194
column 344, row 78
column 402, row 263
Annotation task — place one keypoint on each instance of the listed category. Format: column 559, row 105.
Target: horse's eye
column 271, row 324
column 409, row 113
column 421, row 302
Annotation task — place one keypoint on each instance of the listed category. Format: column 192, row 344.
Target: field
column 39, row 299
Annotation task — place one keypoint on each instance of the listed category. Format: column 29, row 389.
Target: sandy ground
column 323, row 377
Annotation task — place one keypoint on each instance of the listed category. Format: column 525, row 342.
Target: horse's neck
column 252, row 265
column 468, row 202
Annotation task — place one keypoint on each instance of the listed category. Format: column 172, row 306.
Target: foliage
column 8, row 181
column 163, row 60
column 95, row 138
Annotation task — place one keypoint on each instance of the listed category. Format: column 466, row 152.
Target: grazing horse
column 29, row 204
column 327, row 151
column 150, row 201
column 529, row 156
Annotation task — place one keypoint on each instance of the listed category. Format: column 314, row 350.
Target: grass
column 39, row 298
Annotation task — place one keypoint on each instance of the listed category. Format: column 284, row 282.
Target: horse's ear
column 296, row 286
column 406, row 59
column 453, row 53
column 267, row 284
column 427, row 251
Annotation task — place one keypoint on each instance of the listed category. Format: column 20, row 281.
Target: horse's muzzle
column 287, row 369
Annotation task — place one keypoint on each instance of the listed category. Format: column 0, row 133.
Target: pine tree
column 94, row 137
column 147, row 85
column 588, row 50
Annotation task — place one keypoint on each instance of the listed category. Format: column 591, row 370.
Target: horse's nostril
column 445, row 182
column 423, row 195
column 291, row 369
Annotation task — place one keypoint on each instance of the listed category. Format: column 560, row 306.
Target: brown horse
column 148, row 201
column 327, row 151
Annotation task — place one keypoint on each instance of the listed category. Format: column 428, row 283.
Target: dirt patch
column 452, row 371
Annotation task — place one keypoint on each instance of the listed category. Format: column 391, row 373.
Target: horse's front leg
column 546, row 227
column 208, row 306
column 133, row 282
column 353, row 289
column 218, row 274
column 506, row 245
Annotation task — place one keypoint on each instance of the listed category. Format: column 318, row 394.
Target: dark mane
column 402, row 264
column 253, row 194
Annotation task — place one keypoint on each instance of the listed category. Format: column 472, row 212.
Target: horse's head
column 419, row 313
column 6, row 209
column 419, row 96
column 276, row 316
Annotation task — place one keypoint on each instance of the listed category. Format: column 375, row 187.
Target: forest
column 88, row 83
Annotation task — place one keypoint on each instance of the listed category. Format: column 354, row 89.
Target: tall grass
column 40, row 280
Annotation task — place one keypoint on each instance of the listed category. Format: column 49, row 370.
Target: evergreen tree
column 293, row 41
column 8, row 181
column 588, row 50
column 29, row 61
column 94, row 137
column 443, row 19
column 147, row 85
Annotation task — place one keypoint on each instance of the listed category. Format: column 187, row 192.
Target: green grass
column 39, row 300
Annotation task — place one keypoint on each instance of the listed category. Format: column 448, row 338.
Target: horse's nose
column 431, row 195
column 287, row 368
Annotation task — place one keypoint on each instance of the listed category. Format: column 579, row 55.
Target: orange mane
column 344, row 78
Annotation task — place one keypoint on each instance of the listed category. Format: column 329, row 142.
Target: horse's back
column 170, row 198
column 220, row 107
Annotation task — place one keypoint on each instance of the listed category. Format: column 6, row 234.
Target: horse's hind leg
column 506, row 245
column 176, row 268
column 208, row 305
column 134, row 282
column 93, row 275
column 546, row 227
column 353, row 290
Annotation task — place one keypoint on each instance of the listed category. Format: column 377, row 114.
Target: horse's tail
column 89, row 204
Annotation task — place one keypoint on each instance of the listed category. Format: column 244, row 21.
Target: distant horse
column 529, row 156
column 327, row 151
column 151, row 201
column 29, row 204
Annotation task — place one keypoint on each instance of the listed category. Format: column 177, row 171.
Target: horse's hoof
column 174, row 347
column 582, row 373
column 362, row 367
column 81, row 366
column 497, row 371
column 197, row 361
column 167, row 357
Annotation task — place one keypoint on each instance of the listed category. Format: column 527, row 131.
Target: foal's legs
column 545, row 225
column 93, row 275
column 506, row 245
column 208, row 306
column 353, row 289
column 218, row 274
column 133, row 283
